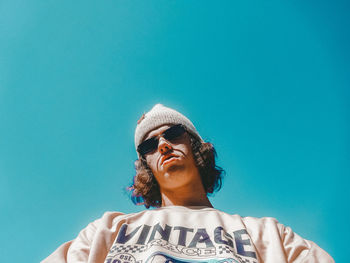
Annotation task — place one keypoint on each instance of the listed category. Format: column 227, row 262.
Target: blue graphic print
column 164, row 258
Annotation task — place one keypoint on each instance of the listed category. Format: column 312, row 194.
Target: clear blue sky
column 267, row 82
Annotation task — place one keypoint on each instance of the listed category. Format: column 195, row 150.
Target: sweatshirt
column 177, row 234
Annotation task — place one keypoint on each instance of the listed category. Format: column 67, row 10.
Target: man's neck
column 190, row 197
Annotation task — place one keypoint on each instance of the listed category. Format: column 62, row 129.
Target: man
column 174, row 173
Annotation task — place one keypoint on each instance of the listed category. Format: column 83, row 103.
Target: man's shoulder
column 259, row 220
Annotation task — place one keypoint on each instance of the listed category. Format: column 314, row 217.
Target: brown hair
column 145, row 188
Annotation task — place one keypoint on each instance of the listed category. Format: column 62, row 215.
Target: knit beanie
column 160, row 115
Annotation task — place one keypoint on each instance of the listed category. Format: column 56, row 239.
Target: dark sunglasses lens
column 174, row 132
column 148, row 146
column 151, row 144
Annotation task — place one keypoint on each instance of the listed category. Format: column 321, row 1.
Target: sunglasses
column 151, row 144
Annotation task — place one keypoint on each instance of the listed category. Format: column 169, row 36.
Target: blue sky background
column 267, row 82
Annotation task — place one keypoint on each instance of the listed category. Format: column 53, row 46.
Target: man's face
column 172, row 162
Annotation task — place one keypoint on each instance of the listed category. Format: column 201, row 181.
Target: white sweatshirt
column 178, row 234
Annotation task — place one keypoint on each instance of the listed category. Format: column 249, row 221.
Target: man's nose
column 164, row 146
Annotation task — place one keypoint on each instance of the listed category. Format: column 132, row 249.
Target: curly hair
column 145, row 188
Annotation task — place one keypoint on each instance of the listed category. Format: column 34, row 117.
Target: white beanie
column 160, row 115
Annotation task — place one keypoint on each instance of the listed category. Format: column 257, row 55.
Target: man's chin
column 175, row 167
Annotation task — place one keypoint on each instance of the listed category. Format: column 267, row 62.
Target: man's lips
column 168, row 158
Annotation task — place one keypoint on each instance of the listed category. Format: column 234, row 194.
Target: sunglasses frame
column 154, row 141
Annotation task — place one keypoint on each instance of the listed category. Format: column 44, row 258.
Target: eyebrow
column 154, row 135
